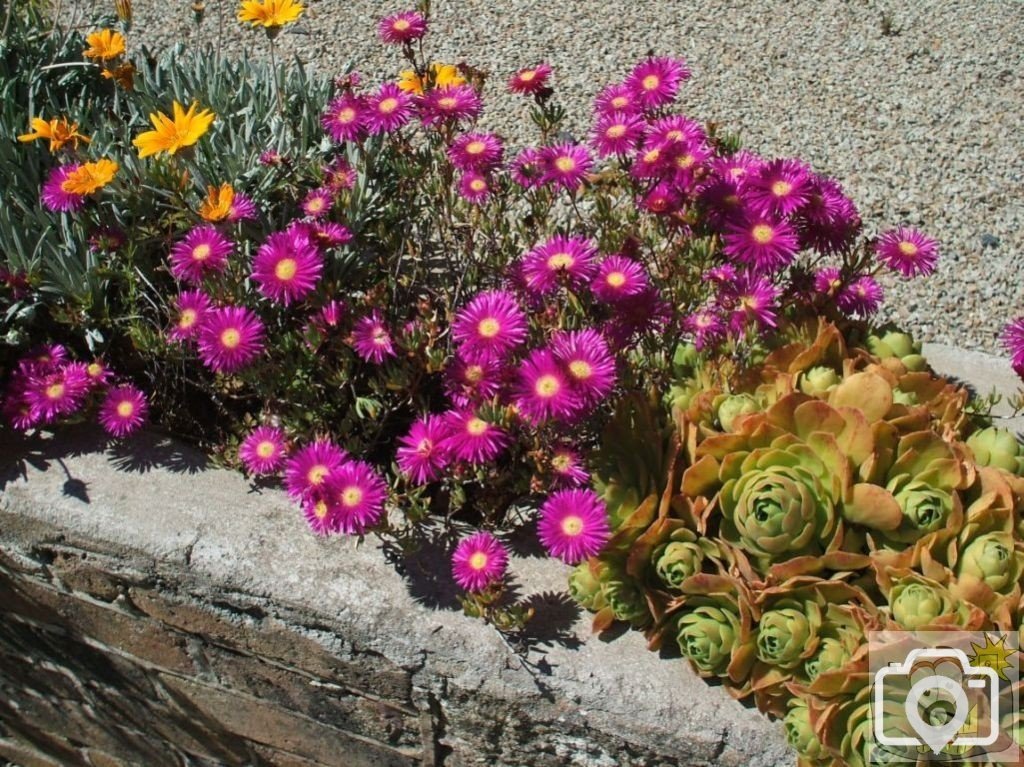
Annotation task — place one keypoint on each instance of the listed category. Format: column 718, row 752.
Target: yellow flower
column 444, row 75
column 217, row 205
column 123, row 75
column 57, row 130
column 105, row 44
column 172, row 135
column 270, row 13
column 90, row 177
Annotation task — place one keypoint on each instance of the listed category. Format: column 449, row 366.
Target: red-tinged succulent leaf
column 604, row 619
column 701, row 478
column 868, row 392
column 873, row 507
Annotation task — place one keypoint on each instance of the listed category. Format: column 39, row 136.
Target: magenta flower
column 479, row 562
column 573, row 525
column 327, row 234
column 753, row 299
column 345, row 118
column 565, row 165
column 862, row 297
column 263, row 451
column 339, row 175
column 98, row 372
column 55, row 197
column 737, row 167
column 388, row 109
column 190, row 308
column 421, row 455
column 55, row 392
column 568, row 468
column 471, row 438
column 469, row 383
column 307, row 469
column 676, row 129
column 617, row 133
column 828, row 281
column 452, row 103
column 656, row 82
column 203, row 251
column 123, row 411
column 662, row 200
column 474, row 187
column 907, row 251
column 569, row 261
column 476, row 151
column 287, row 267
column 241, row 209
column 543, row 392
column 617, row 98
column 371, row 339
column 402, row 28
column 721, row 202
column 706, row 326
column 320, row 513
column 46, row 356
column 589, row 364
column 528, row 168
column 16, row 408
column 778, row 188
column 652, row 161
column 489, row 326
column 530, row 80
column 330, row 314
column 636, row 315
column 317, row 203
column 357, row 493
column 829, row 222
column 1013, row 341
column 723, row 274
column 761, row 243
column 230, row 338
column 618, row 278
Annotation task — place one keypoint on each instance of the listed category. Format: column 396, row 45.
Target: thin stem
column 277, row 77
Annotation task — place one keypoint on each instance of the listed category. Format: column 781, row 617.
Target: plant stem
column 277, row 77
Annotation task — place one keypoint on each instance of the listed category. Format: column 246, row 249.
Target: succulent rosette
column 713, row 629
column 997, row 448
column 682, row 556
column 917, row 603
column 901, row 346
column 801, row 736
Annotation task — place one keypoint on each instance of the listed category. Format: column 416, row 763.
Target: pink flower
column 489, row 326
column 190, row 308
column 568, row 468
column 656, row 82
column 531, row 80
column 617, row 133
column 862, row 297
column 421, row 456
column 753, row 299
column 287, row 267
column 706, row 326
column 573, row 525
column 543, row 392
column 453, row 103
column 371, row 339
column 230, row 338
column 263, row 451
column 402, row 28
column 569, row 261
column 388, row 109
column 345, row 118
column 474, row 187
column 317, row 203
column 307, row 469
column 565, row 165
column 475, row 151
column 55, row 197
column 52, row 392
column 907, row 251
column 589, row 364
column 1013, row 341
column 617, row 98
column 778, row 188
column 618, row 278
column 471, row 438
column 528, row 168
column 203, row 251
column 761, row 243
column 358, row 494
column 828, row 281
column 469, row 383
column 479, row 562
column 123, row 411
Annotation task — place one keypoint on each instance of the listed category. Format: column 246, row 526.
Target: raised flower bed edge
column 155, row 612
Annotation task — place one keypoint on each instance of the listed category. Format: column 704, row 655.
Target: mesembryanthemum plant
column 832, row 487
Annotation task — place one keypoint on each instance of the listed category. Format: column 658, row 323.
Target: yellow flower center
column 476, row 147
column 572, row 525
column 125, row 409
column 265, row 449
column 731, row 200
column 527, row 75
column 762, row 234
column 674, row 135
column 315, row 204
column 476, row 427
column 285, row 269
column 346, row 115
column 651, row 82
column 478, row 185
column 230, row 338
column 94, row 369
column 908, row 248
column 781, row 188
column 201, row 252
column 565, row 164
column 616, row 131
column 448, row 102
column 352, row 496
column 320, row 509
column 581, row 370
column 704, row 320
column 685, row 161
column 55, row 391
column 478, row 561
column 187, row 319
column 400, row 25
column 388, row 105
column 317, row 474
column 616, row 279
column 652, row 156
column 424, row 447
column 561, row 261
column 380, row 336
column 474, row 373
column 488, row 327
column 547, row 386
column 619, row 102
column 561, row 463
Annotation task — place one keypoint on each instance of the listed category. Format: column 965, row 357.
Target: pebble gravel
column 916, row 107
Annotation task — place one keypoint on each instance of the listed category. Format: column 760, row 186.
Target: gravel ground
column 917, row 107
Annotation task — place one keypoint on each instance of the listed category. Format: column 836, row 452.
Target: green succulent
column 707, row 634
column 917, row 601
column 994, row 559
column 900, row 346
column 788, row 633
column 840, row 635
column 733, row 406
column 626, row 600
column 925, row 508
column 680, row 557
column 907, row 398
column 585, row 588
column 998, row 448
column 800, row 734
column 818, row 381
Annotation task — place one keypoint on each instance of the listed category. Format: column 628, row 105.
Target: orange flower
column 444, row 75
column 217, row 205
column 171, row 136
column 123, row 75
column 90, row 177
column 106, row 44
column 270, row 13
column 57, row 130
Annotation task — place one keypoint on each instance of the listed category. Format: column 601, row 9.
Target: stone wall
column 155, row 611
